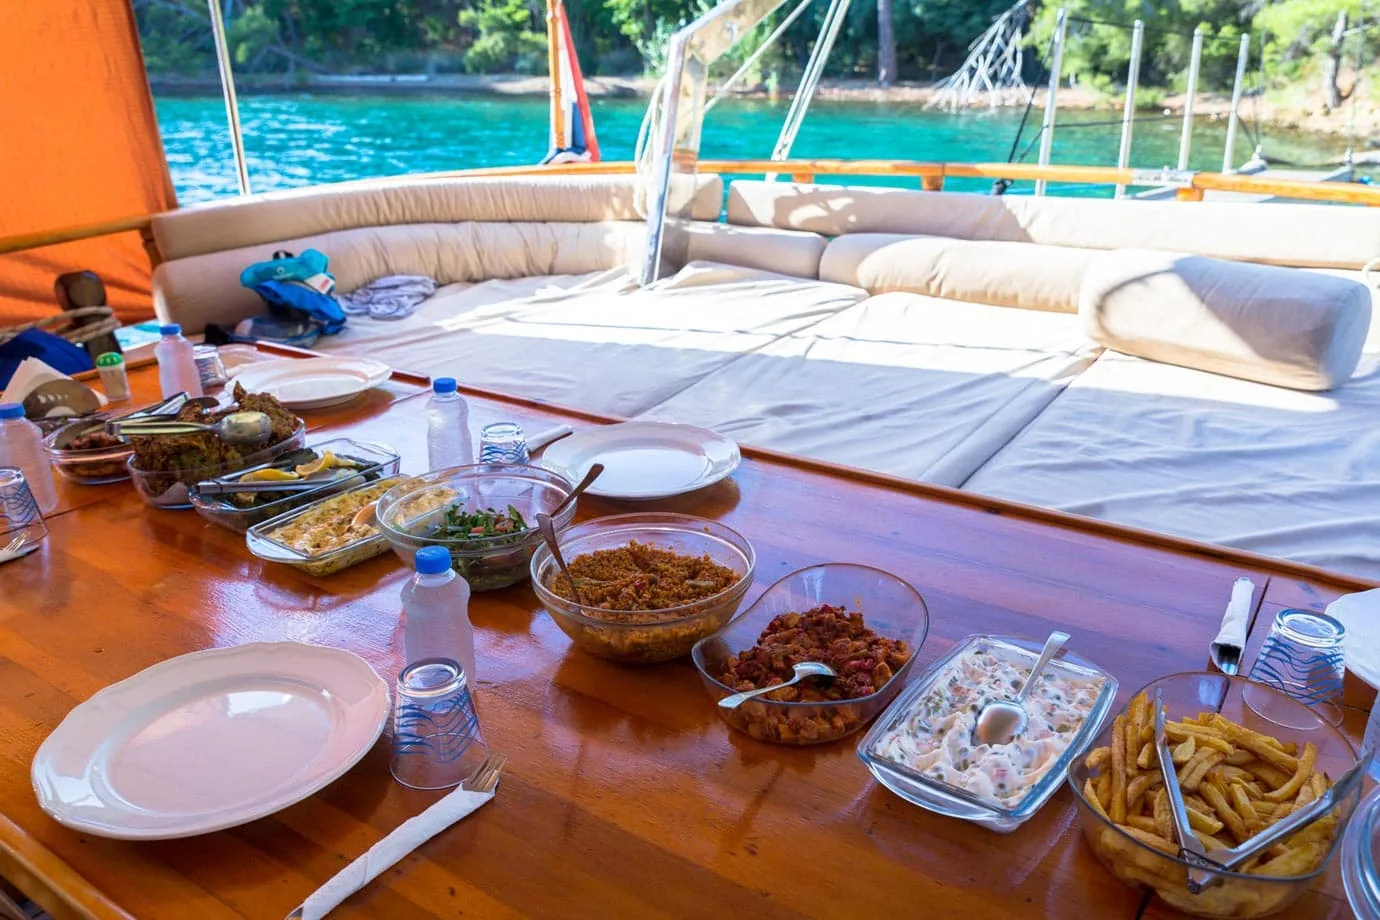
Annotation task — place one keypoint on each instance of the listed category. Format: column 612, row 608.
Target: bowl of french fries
column 1239, row 772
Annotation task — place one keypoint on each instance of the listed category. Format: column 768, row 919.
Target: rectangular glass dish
column 377, row 461
column 265, row 540
column 931, row 789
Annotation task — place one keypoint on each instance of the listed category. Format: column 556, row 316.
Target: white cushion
column 1004, row 274
column 1274, row 325
column 900, row 383
column 1280, row 472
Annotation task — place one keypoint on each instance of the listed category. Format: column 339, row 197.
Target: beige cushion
column 997, row 273
column 206, row 288
column 787, row 252
column 239, row 222
column 1274, row 325
column 1306, row 235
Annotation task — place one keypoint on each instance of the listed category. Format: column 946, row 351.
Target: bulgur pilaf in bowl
column 653, row 583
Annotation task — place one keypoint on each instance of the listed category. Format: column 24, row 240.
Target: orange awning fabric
column 80, row 146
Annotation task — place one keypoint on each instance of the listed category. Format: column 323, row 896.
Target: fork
column 414, row 831
column 11, row 550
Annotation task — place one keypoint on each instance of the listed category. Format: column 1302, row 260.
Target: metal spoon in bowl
column 235, row 428
column 575, row 493
column 802, row 670
column 1002, row 720
column 548, row 532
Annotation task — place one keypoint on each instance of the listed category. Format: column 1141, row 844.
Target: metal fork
column 483, row 780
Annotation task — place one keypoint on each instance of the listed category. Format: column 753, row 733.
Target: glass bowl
column 646, row 636
column 90, row 466
column 171, row 489
column 1235, row 894
column 1360, row 873
column 960, row 801
column 330, row 514
column 376, row 461
column 890, row 607
column 411, row 514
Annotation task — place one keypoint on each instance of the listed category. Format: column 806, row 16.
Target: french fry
column 1183, row 752
column 1266, row 748
column 1210, row 842
column 1163, row 844
column 1144, row 823
column 1294, row 861
column 1268, row 774
column 1202, row 734
column 1098, row 758
column 1240, row 799
column 1319, row 783
column 1104, row 789
column 1134, row 717
column 1305, row 767
column 1225, row 813
column 1137, row 787
column 1164, row 821
column 1191, row 777
column 1117, row 811
column 1240, row 756
column 1147, row 757
column 1090, row 793
column 1201, row 820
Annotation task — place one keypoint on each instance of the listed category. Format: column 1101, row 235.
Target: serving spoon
column 548, row 533
column 802, row 670
column 235, row 428
column 575, row 493
column 1002, row 720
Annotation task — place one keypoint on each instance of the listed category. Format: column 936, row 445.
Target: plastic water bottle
column 21, row 445
column 176, row 356
column 437, row 604
column 448, row 440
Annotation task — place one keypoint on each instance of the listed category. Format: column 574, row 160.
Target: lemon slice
column 326, row 462
column 269, row 474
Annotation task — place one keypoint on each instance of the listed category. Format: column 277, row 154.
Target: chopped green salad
column 478, row 525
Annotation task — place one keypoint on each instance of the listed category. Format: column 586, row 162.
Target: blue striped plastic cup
column 1303, row 657
column 502, row 442
column 436, row 737
column 21, row 524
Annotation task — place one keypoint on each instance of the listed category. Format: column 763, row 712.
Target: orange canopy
column 80, row 146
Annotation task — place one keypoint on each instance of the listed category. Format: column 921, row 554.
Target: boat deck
column 625, row 794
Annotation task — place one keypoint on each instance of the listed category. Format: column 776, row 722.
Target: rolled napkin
column 1226, row 649
column 405, row 838
column 537, row 441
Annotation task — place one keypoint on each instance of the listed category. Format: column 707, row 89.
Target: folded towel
column 390, row 297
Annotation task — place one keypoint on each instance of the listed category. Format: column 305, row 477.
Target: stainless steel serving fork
column 369, row 866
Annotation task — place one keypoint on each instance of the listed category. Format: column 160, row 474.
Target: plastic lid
column 11, row 410
column 170, row 329
column 433, row 560
column 110, row 359
column 443, row 385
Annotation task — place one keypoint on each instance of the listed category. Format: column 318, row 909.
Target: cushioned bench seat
column 900, row 383
column 602, row 346
column 1198, row 455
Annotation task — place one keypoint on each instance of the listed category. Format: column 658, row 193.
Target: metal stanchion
column 1052, row 99
column 1128, row 111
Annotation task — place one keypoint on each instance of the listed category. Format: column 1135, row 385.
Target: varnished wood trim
column 34, row 870
column 69, row 234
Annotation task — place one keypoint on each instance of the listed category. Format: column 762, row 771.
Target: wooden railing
column 1190, row 186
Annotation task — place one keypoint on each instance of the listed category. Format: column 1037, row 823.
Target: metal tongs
column 1205, row 871
column 1191, row 849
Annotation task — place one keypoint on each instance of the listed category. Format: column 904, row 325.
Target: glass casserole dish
column 340, row 545
column 372, row 461
column 1001, row 786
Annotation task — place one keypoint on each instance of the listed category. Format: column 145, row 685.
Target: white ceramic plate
column 313, row 383
column 645, row 460
column 1360, row 614
column 210, row 740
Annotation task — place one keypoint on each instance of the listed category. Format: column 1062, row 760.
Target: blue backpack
column 296, row 287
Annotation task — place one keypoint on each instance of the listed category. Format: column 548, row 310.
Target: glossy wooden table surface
column 625, row 796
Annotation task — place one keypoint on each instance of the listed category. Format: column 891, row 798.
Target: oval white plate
column 1360, row 614
column 313, row 383
column 645, row 460
column 210, row 740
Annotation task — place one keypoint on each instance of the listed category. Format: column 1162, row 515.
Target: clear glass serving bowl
column 646, row 636
column 378, row 461
column 955, row 801
column 1234, row 894
column 1360, row 872
column 262, row 542
column 890, row 607
column 412, row 513
column 171, row 489
column 91, row 466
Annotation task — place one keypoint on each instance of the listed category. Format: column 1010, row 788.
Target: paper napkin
column 1226, row 649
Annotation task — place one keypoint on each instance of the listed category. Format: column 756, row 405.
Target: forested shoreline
column 1316, row 47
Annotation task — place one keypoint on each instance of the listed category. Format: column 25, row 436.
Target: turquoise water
column 303, row 139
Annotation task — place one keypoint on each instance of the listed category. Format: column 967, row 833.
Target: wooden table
column 625, row 796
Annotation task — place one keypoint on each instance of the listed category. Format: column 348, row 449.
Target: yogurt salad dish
column 923, row 748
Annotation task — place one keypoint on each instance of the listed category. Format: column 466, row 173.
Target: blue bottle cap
column 11, row 410
column 433, row 560
column 443, row 385
column 170, row 329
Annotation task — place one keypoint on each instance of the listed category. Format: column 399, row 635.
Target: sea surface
column 294, row 140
